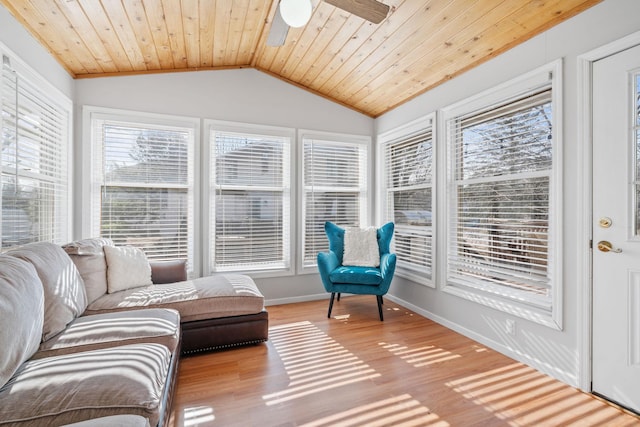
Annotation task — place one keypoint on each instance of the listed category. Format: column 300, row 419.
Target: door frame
column 585, row 202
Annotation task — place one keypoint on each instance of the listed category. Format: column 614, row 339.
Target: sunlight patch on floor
column 502, row 391
column 502, row 388
column 401, row 410
column 314, row 362
column 421, row 356
column 198, row 415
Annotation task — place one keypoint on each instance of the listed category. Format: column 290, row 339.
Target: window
column 636, row 136
column 335, row 188
column 35, row 126
column 250, row 198
column 408, row 159
column 143, row 183
column 502, row 234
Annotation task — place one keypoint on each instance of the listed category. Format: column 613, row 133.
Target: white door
column 616, row 228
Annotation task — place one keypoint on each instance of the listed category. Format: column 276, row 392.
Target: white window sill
column 514, row 308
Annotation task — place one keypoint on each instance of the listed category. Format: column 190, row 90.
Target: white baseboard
column 291, row 300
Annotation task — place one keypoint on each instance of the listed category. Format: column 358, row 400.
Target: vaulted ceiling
column 370, row 68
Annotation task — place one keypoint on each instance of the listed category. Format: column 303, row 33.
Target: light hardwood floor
column 353, row 370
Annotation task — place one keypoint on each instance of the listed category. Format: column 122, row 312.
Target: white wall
column 19, row 40
column 242, row 95
column 555, row 352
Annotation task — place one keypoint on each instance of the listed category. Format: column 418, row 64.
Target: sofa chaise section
column 215, row 311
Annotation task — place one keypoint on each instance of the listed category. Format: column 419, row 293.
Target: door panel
column 616, row 247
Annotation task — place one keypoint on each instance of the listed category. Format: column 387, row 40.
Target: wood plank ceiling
column 370, row 68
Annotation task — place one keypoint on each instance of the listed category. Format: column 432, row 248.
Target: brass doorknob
column 606, row 246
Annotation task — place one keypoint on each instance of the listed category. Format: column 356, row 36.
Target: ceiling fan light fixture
column 296, row 13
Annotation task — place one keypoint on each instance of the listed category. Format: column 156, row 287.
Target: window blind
column 251, row 201
column 409, row 171
column 35, row 144
column 144, row 193
column 502, row 163
column 334, row 175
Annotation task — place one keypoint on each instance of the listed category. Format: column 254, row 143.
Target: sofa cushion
column 127, row 267
column 197, row 299
column 64, row 294
column 75, row 387
column 86, row 333
column 21, row 314
column 88, row 256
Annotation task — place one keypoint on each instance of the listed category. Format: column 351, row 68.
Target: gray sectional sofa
column 74, row 348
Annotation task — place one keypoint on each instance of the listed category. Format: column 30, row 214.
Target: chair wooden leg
column 379, row 297
column 333, row 294
column 338, row 296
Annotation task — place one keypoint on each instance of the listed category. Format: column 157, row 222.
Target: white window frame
column 63, row 209
column 366, row 202
column 91, row 186
column 208, row 202
column 517, row 304
column 422, row 125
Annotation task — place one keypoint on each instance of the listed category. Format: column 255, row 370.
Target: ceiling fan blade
column 279, row 30
column 371, row 10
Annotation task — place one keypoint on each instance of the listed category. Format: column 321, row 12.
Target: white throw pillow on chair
column 361, row 247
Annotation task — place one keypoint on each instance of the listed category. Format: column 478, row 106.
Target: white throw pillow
column 361, row 247
column 127, row 267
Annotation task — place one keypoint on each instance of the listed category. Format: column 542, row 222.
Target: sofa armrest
column 168, row 271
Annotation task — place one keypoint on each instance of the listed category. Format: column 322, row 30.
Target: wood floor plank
column 353, row 370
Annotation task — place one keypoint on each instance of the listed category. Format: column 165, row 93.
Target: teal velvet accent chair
column 338, row 278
